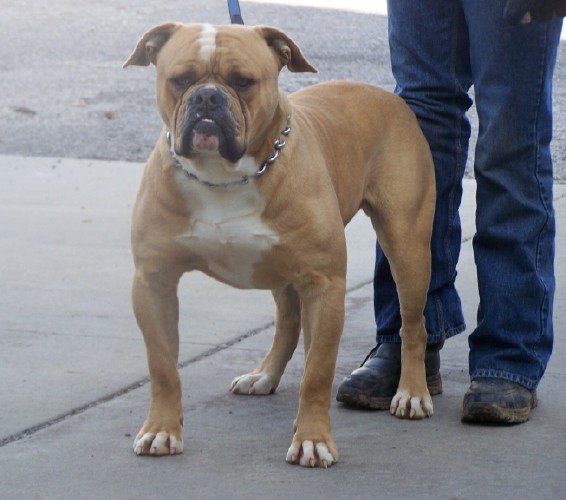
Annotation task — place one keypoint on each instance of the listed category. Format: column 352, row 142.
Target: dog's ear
column 286, row 49
column 150, row 44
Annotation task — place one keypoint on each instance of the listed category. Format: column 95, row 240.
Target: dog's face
column 217, row 86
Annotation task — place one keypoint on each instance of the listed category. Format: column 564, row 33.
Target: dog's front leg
column 156, row 308
column 323, row 321
column 265, row 378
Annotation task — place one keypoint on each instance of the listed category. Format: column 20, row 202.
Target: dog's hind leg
column 411, row 270
column 402, row 217
column 265, row 378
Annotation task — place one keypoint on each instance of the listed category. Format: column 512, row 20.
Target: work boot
column 374, row 384
column 496, row 401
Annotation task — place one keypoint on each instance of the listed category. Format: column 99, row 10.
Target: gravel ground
column 63, row 92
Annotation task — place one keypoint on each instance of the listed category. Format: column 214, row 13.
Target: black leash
column 234, row 11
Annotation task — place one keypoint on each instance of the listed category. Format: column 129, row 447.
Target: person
column 507, row 50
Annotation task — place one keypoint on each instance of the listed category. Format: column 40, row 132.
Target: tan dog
column 210, row 201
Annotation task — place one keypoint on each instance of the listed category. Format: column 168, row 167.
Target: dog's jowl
column 254, row 188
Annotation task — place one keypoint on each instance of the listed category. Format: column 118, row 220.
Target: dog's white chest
column 226, row 231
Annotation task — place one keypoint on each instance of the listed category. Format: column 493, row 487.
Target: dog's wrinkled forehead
column 213, row 49
column 215, row 45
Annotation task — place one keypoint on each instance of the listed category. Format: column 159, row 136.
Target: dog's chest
column 226, row 232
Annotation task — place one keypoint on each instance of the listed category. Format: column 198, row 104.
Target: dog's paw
column 158, row 443
column 258, row 384
column 405, row 405
column 308, row 454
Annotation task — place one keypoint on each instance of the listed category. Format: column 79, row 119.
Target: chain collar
column 278, row 145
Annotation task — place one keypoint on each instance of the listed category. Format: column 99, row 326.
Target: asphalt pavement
column 74, row 388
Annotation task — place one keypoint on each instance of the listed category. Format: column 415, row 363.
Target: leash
column 234, row 11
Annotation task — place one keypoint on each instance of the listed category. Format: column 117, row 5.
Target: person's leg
column 514, row 245
column 429, row 57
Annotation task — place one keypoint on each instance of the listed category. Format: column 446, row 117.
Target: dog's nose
column 208, row 98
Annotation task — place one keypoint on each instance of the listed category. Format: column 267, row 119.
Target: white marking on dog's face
column 207, row 42
column 226, row 230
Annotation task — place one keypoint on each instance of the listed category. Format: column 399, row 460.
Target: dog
column 254, row 188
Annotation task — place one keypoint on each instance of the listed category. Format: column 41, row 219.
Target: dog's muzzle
column 208, row 125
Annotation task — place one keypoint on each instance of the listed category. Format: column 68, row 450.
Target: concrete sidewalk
column 73, row 374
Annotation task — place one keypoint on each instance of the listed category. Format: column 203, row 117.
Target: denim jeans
column 439, row 49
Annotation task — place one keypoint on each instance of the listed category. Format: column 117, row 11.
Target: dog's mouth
column 207, row 136
column 207, row 127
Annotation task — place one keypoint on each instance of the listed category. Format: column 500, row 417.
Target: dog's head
column 216, row 86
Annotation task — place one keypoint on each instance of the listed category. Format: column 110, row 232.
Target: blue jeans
column 439, row 49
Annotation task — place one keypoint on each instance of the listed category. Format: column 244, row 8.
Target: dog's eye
column 182, row 82
column 242, row 83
